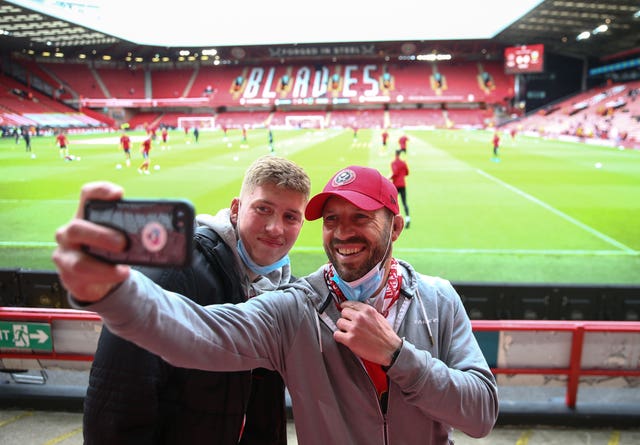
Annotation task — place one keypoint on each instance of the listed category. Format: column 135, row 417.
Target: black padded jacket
column 135, row 397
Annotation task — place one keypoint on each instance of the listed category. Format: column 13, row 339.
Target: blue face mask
column 256, row 268
column 362, row 288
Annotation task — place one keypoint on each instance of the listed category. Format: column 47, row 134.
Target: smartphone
column 159, row 232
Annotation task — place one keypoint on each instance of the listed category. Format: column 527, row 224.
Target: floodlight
column 583, row 35
column 601, row 28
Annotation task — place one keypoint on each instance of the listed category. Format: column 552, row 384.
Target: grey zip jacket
column 433, row 387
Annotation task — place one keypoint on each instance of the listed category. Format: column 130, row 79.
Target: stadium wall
column 483, row 301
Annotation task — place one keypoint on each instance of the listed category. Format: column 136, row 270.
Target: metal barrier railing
column 577, row 364
column 39, row 338
column 33, row 338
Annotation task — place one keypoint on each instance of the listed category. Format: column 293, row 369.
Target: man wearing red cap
column 372, row 352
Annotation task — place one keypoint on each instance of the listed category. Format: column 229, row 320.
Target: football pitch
column 548, row 212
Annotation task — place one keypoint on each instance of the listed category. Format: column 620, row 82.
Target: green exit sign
column 24, row 335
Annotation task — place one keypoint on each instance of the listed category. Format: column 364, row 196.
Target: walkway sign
column 25, row 335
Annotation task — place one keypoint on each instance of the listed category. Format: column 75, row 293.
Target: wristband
column 395, row 355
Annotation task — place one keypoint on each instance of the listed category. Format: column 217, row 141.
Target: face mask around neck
column 256, row 268
column 363, row 287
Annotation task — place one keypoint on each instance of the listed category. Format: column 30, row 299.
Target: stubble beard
column 354, row 272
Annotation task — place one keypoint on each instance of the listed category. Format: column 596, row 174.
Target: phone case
column 159, row 232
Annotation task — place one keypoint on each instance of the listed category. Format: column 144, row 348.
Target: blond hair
column 279, row 171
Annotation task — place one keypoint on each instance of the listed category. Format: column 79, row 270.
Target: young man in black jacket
column 135, row 397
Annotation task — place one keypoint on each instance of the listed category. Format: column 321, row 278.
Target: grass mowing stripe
column 557, row 212
column 27, row 244
column 48, row 201
column 408, row 249
column 491, row 251
column 456, row 235
column 520, row 251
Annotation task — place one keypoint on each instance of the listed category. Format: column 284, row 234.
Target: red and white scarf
column 391, row 291
column 391, row 294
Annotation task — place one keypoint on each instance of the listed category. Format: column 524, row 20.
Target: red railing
column 50, row 316
column 573, row 371
column 578, row 329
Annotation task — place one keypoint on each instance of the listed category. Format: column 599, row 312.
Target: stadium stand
column 171, row 82
column 23, row 106
column 414, row 84
column 300, row 118
column 21, row 99
column 608, row 114
column 144, row 119
column 357, row 119
column 468, row 95
column 425, row 117
column 469, row 117
column 78, row 77
column 347, row 94
column 37, row 75
column 239, row 119
column 216, row 84
column 172, row 119
column 123, row 82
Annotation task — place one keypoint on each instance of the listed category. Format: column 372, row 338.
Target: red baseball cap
column 363, row 187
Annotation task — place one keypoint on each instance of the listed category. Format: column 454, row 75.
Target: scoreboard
column 524, row 59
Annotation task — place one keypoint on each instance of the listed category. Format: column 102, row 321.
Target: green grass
column 544, row 214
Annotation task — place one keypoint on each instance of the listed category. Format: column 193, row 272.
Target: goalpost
column 302, row 121
column 202, row 122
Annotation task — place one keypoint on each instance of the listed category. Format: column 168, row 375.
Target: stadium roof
column 198, row 23
column 55, row 26
column 604, row 29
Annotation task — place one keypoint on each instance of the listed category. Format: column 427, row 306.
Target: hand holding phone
column 159, row 232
